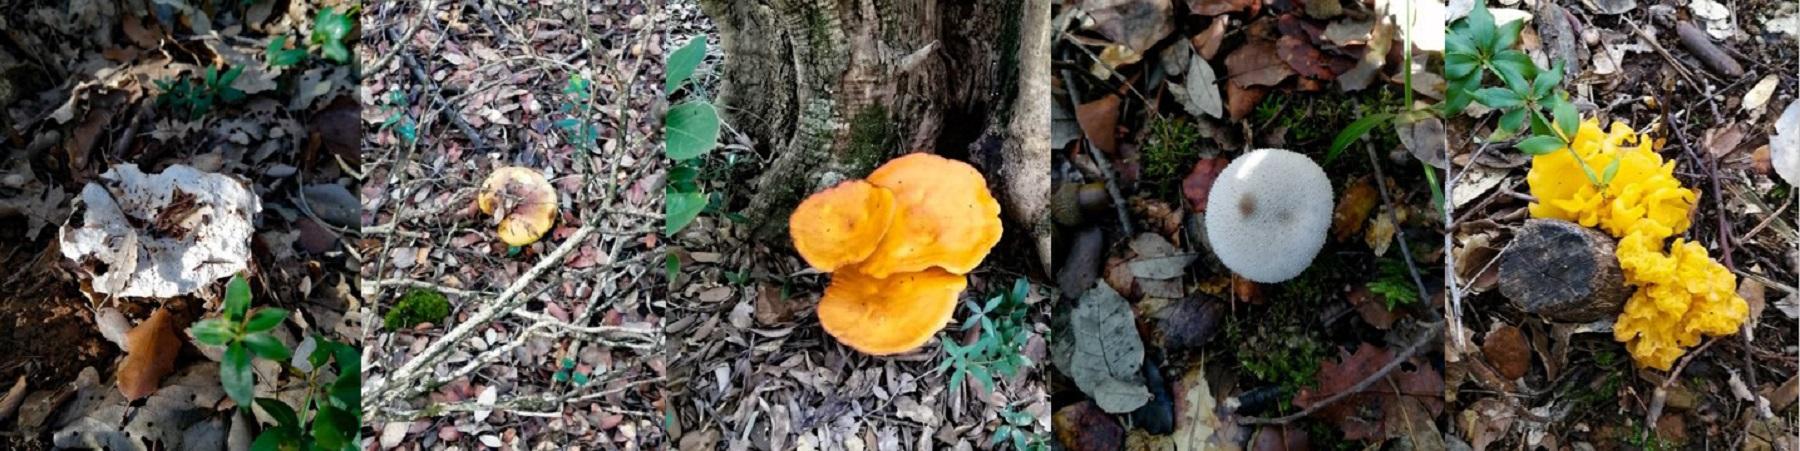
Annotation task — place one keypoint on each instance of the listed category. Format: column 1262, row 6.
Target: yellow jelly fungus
column 1681, row 296
column 1682, row 293
column 1643, row 193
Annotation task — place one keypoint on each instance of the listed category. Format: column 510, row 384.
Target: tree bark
column 834, row 88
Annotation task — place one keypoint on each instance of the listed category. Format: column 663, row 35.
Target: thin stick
column 400, row 381
column 382, row 63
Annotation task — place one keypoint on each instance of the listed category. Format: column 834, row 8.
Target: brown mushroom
column 522, row 203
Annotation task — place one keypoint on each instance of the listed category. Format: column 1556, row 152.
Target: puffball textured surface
column 1267, row 214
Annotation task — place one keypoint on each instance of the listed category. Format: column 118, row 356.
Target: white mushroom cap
column 1267, row 214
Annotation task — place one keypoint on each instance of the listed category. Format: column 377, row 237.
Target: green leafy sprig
column 330, row 416
column 1000, row 348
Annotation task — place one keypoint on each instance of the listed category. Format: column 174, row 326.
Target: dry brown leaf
column 1240, row 101
column 1199, row 181
column 1362, row 415
column 1137, row 24
column 1353, row 208
column 1371, row 309
column 1257, row 63
column 1506, row 349
column 154, row 346
column 1217, row 7
column 1100, row 121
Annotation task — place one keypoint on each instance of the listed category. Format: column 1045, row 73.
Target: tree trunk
column 834, row 88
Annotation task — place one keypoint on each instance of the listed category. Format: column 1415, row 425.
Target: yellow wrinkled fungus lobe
column 1642, row 195
column 1682, row 294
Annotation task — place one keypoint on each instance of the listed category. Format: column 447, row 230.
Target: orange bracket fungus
column 898, row 245
column 1681, row 293
column 1267, row 214
column 522, row 203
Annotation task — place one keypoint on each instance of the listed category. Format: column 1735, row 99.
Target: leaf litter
column 1167, row 331
column 157, row 148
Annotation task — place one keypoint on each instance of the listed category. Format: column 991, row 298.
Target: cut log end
column 1563, row 271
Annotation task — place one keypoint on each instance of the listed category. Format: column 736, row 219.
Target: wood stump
column 1564, row 272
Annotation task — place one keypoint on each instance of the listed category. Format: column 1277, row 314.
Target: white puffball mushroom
column 1267, row 214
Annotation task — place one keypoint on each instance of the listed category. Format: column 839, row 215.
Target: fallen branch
column 400, row 382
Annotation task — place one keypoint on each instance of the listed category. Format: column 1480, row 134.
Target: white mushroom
column 1267, row 214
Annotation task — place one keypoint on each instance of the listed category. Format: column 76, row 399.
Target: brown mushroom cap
column 891, row 315
column 841, row 225
column 945, row 217
column 522, row 201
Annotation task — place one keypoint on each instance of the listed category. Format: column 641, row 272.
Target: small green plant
column 278, row 55
column 1394, row 284
column 690, row 130
column 567, row 373
column 330, row 27
column 333, row 401
column 196, row 97
column 1015, row 428
column 403, row 125
column 1408, row 113
column 1527, row 96
column 417, row 306
column 584, row 135
column 999, row 350
column 1169, row 151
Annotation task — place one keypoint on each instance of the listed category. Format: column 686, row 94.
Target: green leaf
column 268, row 347
column 560, row 376
column 215, row 332
column 1515, row 69
column 271, row 439
column 1431, row 180
column 1458, row 93
column 672, row 265
column 1508, row 34
column 691, row 129
column 1459, row 65
column 581, row 378
column 1539, row 145
column 1481, row 24
column 336, row 52
column 279, row 55
column 264, row 319
column 1354, row 132
column 330, row 26
column 683, row 62
column 235, row 375
column 237, row 298
column 1512, row 122
column 1567, row 119
column 1612, row 169
column 1459, row 43
column 1498, row 98
column 284, row 414
column 682, row 209
column 325, row 428
column 1547, row 80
